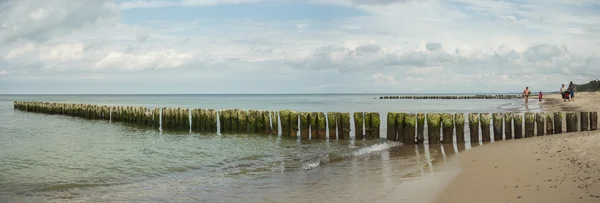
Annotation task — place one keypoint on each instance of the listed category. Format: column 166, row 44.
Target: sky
column 296, row 46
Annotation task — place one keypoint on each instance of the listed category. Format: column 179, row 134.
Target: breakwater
column 406, row 128
column 503, row 96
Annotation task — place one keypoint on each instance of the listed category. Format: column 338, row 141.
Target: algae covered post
column 529, row 124
column 433, row 128
column 304, row 125
column 518, row 124
column 343, row 125
column 593, row 120
column 275, row 122
column 539, row 120
column 284, row 116
column 459, row 125
column 294, row 123
column 484, row 120
column 242, row 121
column 400, row 124
column 497, row 123
column 572, row 122
column 321, row 125
column 410, row 124
column 313, row 125
column 474, row 127
column 447, row 128
column 420, row 128
column 391, row 126
column 508, row 129
column 332, row 124
column 358, row 125
column 375, row 125
column 558, row 123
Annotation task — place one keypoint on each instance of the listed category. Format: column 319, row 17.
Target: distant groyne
column 501, row 96
column 407, row 128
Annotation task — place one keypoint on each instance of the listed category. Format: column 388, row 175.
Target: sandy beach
column 584, row 101
column 555, row 168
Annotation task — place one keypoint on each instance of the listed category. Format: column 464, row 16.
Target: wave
column 325, row 158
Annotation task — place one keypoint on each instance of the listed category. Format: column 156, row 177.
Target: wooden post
column 558, row 123
column 358, row 125
column 313, row 125
column 549, row 124
column 572, row 122
column 585, row 122
column 155, row 116
column 234, row 120
column 260, row 122
column 410, row 122
column 539, row 120
column 242, row 117
column 304, row 125
column 223, row 121
column 433, row 128
column 391, row 127
column 375, row 125
column 285, row 122
column 420, row 128
column 400, row 121
column 332, row 123
column 484, row 120
column 321, row 126
column 212, row 117
column 204, row 116
column 459, row 125
column 474, row 127
column 497, row 123
column 252, row 120
column 294, row 123
column 274, row 122
column 529, row 124
column 368, row 130
column 518, row 125
column 447, row 128
column 266, row 122
column 594, row 120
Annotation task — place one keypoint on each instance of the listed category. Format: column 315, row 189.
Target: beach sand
column 584, row 101
column 554, row 168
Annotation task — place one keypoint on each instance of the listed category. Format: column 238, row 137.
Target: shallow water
column 59, row 158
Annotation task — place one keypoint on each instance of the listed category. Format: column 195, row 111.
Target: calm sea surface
column 55, row 158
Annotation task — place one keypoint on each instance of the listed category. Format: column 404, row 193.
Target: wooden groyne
column 401, row 127
column 502, row 96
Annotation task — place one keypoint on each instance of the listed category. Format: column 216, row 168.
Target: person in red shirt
column 540, row 96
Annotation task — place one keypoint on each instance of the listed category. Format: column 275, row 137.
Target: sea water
column 57, row 158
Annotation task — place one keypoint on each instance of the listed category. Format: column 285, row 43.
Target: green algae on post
column 572, row 122
column 375, row 125
column 558, row 124
column 321, row 125
column 410, row 124
column 433, row 128
column 266, row 123
column 484, row 120
column 358, row 125
column 260, row 122
column 391, row 126
column 459, row 125
column 312, row 117
column 529, row 124
column 508, row 129
column 368, row 125
column 212, row 117
column 343, row 125
column 274, row 122
column 400, row 118
column 497, row 125
column 234, row 120
column 252, row 120
column 539, row 121
column 420, row 128
column 332, row 123
column 285, row 122
column 304, row 125
column 242, row 117
column 474, row 127
column 518, row 125
column 294, row 123
column 447, row 128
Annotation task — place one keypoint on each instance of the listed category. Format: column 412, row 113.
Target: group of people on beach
column 566, row 93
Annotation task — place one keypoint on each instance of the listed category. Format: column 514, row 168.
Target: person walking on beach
column 540, row 96
column 571, row 91
column 562, row 92
column 526, row 95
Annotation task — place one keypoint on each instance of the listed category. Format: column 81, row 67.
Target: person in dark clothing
column 571, row 91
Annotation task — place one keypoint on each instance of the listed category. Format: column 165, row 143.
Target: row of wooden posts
column 401, row 127
column 505, row 96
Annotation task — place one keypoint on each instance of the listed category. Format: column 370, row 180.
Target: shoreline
column 551, row 168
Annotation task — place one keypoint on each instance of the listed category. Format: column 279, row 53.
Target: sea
column 56, row 158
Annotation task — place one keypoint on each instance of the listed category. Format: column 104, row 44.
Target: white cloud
column 3, row 73
column 384, row 79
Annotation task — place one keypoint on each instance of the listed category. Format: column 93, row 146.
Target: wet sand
column 555, row 168
column 584, row 101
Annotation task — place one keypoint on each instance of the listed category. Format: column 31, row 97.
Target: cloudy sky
column 296, row 46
